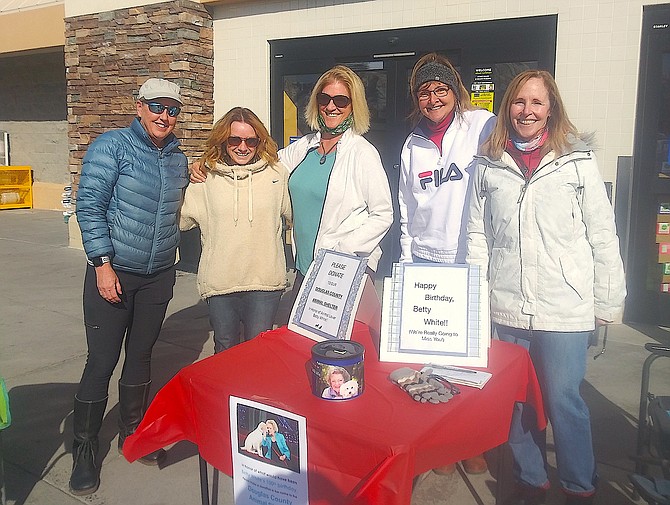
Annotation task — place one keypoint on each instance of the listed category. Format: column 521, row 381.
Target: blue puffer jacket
column 128, row 199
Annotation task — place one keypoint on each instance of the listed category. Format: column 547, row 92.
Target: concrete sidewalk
column 43, row 355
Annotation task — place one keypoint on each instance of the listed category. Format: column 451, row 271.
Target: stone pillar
column 110, row 54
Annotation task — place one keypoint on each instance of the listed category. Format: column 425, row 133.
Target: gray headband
column 434, row 71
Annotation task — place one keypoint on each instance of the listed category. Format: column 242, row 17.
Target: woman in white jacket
column 436, row 163
column 338, row 186
column 541, row 223
column 240, row 210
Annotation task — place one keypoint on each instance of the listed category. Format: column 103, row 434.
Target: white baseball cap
column 159, row 88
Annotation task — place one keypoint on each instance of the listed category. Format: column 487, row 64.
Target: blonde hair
column 215, row 145
column 462, row 96
column 359, row 106
column 273, row 423
column 559, row 126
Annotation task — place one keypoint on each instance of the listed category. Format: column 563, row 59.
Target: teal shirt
column 307, row 186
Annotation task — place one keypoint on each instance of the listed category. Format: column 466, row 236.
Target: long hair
column 359, row 106
column 462, row 96
column 215, row 145
column 558, row 124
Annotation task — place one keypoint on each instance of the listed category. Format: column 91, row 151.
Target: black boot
column 85, row 477
column 572, row 499
column 133, row 402
column 527, row 495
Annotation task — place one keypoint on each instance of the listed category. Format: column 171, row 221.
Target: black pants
column 137, row 320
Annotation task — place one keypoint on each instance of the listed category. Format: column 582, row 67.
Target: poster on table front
column 435, row 313
column 326, row 305
column 269, row 449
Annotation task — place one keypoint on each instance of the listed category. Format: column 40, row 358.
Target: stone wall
column 109, row 55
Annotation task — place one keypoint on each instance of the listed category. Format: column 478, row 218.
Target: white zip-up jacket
column 549, row 243
column 357, row 211
column 433, row 189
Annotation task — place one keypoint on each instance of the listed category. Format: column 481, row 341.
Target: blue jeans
column 560, row 362
column 256, row 310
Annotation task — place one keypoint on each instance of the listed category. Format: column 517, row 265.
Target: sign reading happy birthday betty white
column 435, row 313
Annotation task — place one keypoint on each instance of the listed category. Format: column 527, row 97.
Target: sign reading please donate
column 434, row 309
column 329, row 296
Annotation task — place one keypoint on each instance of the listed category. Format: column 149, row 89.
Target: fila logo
column 439, row 177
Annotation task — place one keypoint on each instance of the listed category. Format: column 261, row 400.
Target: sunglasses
column 158, row 108
column 340, row 101
column 440, row 92
column 249, row 141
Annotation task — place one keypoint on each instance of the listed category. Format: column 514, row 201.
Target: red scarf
column 436, row 131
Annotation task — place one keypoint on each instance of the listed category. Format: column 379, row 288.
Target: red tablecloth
column 361, row 451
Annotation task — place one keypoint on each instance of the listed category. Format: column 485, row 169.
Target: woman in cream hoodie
column 240, row 210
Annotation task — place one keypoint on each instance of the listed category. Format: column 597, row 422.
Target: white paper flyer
column 269, row 447
column 326, row 304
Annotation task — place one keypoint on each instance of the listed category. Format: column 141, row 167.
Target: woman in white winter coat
column 541, row 223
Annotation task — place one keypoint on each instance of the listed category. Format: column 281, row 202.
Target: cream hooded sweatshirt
column 239, row 211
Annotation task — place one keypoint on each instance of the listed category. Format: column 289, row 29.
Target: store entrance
column 648, row 257
column 487, row 54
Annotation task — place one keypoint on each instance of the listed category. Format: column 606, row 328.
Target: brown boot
column 445, row 470
column 476, row 465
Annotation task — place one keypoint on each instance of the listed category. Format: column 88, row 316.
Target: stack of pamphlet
column 464, row 376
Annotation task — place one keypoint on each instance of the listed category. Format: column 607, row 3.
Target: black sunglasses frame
column 158, row 108
column 340, row 101
column 249, row 141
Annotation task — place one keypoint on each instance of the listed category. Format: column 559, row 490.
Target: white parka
column 357, row 211
column 549, row 244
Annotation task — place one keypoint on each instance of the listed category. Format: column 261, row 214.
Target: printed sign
column 269, row 447
column 328, row 298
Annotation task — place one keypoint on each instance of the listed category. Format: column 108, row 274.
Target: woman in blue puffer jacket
column 129, row 196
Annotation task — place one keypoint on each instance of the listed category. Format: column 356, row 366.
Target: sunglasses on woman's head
column 158, row 108
column 249, row 141
column 340, row 101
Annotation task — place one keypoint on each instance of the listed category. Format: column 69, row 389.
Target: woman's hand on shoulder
column 197, row 173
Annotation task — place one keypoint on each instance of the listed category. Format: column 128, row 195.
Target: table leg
column 502, row 456
column 204, row 481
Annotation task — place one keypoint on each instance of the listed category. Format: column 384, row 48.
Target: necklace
column 326, row 153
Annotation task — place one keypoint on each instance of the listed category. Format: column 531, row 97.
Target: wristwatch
column 98, row 261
